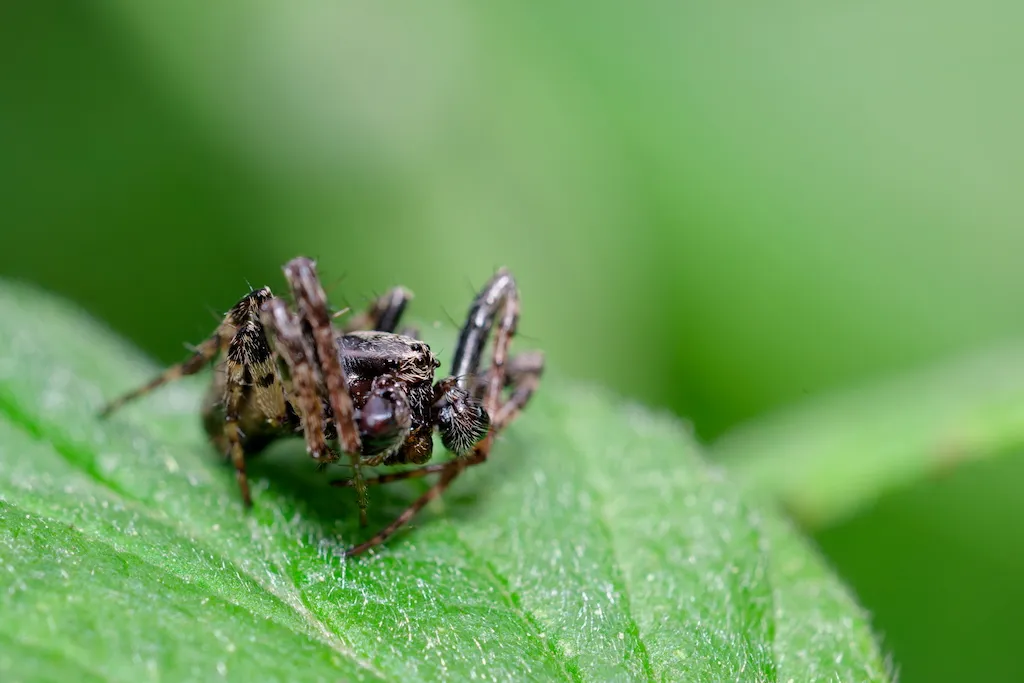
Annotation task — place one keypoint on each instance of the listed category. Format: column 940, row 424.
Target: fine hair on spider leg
column 245, row 385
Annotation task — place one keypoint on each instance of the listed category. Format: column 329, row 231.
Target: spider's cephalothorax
column 283, row 371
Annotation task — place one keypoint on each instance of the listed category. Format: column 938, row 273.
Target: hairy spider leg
column 247, row 365
column 383, row 314
column 402, row 475
column 498, row 297
column 204, row 353
column 295, row 364
column 522, row 376
column 250, row 379
column 448, row 474
column 311, row 301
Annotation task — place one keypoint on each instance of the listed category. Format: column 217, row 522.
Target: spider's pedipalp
column 461, row 419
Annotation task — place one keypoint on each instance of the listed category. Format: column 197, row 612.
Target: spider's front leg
column 315, row 320
column 470, row 408
column 250, row 386
column 246, row 394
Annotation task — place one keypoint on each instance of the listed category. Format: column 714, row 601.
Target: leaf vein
column 21, row 420
column 528, row 619
column 619, row 583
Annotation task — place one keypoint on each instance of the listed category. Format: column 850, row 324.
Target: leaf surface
column 595, row 545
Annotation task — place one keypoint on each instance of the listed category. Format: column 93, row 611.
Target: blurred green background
column 715, row 207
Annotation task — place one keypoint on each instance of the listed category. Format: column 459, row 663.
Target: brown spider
column 282, row 371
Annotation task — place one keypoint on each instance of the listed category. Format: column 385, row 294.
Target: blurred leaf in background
column 718, row 208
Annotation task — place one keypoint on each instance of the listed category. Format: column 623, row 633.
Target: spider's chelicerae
column 282, row 371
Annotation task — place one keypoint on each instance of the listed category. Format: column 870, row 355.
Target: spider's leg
column 384, row 314
column 522, row 378
column 311, row 302
column 233, row 436
column 203, row 355
column 252, row 392
column 414, row 473
column 448, row 473
column 295, row 363
column 499, row 297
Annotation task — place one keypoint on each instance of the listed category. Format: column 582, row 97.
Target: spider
column 284, row 371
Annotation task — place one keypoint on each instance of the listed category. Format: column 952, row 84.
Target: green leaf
column 595, row 545
column 833, row 455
